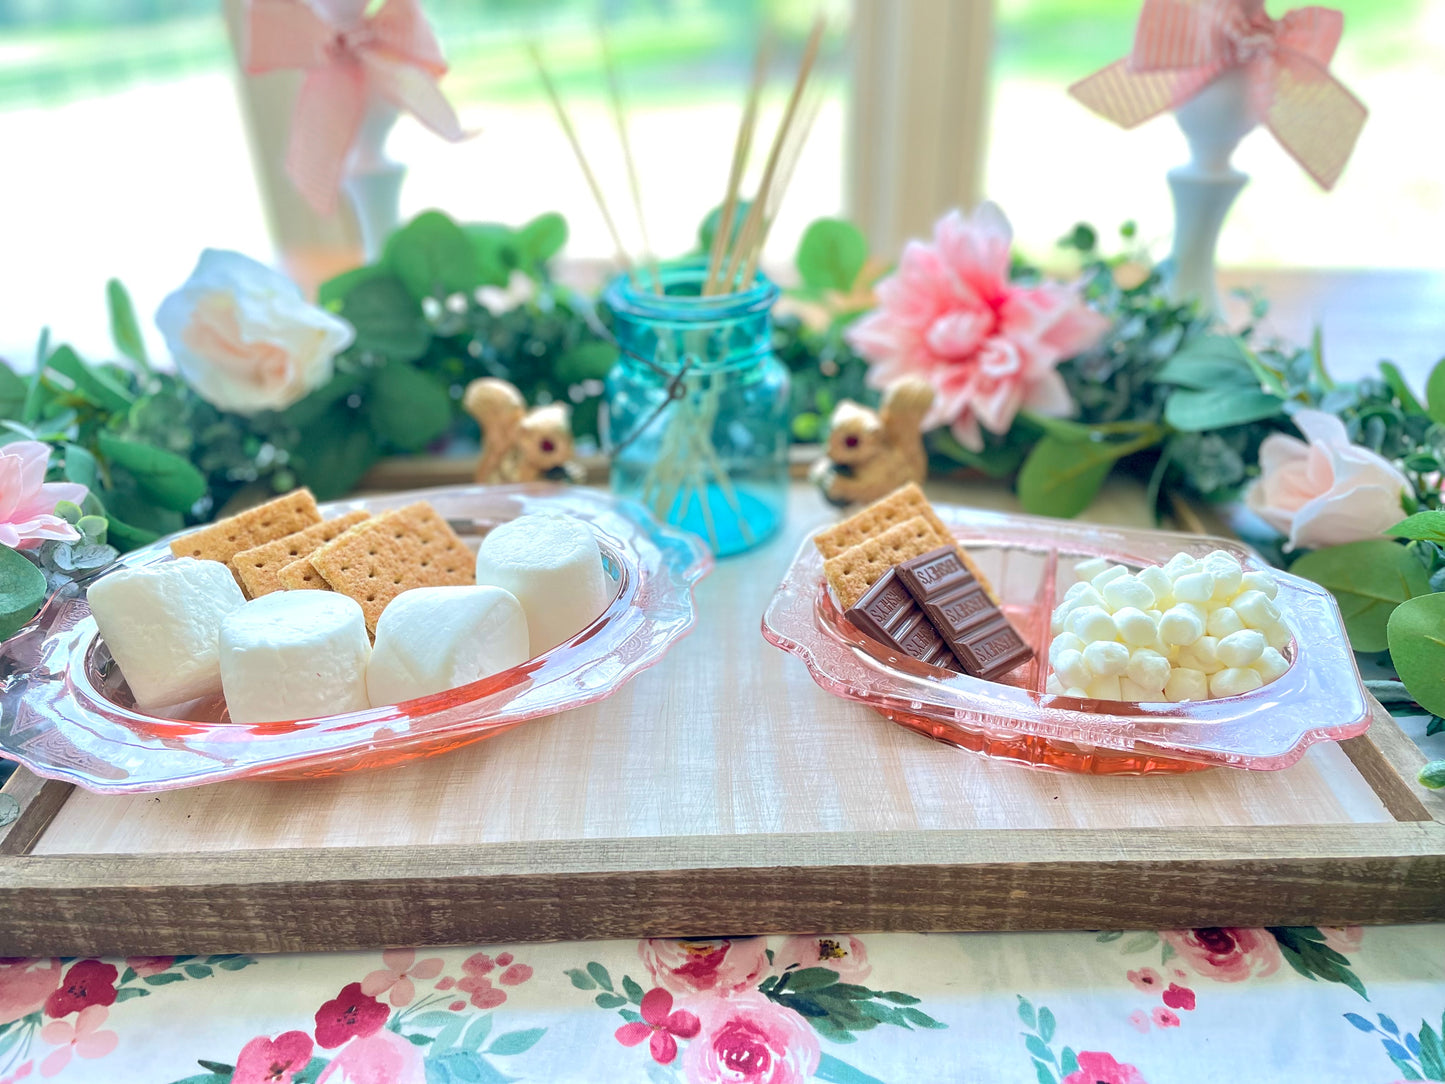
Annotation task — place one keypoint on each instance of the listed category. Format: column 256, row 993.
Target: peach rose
column 1226, row 953
column 245, row 339
column 1326, row 492
column 720, row 966
column 25, row 984
column 748, row 1039
column 843, row 954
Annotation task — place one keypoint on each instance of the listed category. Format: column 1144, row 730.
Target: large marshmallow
column 294, row 655
column 431, row 639
column 162, row 624
column 554, row 567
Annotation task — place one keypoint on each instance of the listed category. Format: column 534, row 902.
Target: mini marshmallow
column 1262, row 582
column 1194, row 586
column 1130, row 691
column 552, row 564
column 294, row 655
column 1090, row 623
column 1087, row 590
column 1277, row 635
column 1241, row 648
column 1223, row 621
column 1072, row 669
column 1255, row 609
column 1077, row 691
column 1059, row 621
column 162, row 624
column 1053, row 686
column 1270, row 665
column 1103, row 688
column 1202, row 655
column 1227, row 573
column 1128, row 591
column 1180, row 626
column 1065, row 641
column 1106, row 658
column 1148, row 669
column 1087, row 570
column 431, row 639
column 1234, row 681
column 1136, row 628
column 1158, row 581
column 1108, row 576
column 1180, row 564
column 1186, row 685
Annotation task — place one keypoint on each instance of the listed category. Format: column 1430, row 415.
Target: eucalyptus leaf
column 80, row 466
column 168, row 479
column 1368, row 579
column 407, row 408
column 1397, row 383
column 22, row 591
column 1429, row 526
column 13, row 390
column 1207, row 361
column 125, row 536
column 1435, row 393
column 497, row 251
column 332, row 293
column 831, row 255
column 335, row 451
column 585, row 361
column 541, row 239
column 1062, row 477
column 1417, row 648
column 124, row 328
column 388, row 320
column 1194, row 410
column 35, row 392
column 93, row 385
column 433, row 257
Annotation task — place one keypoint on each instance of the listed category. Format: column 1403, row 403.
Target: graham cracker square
column 377, row 560
column 225, row 538
column 260, row 566
column 301, row 575
column 859, row 567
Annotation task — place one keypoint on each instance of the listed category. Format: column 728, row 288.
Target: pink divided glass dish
column 1030, row 560
column 65, row 711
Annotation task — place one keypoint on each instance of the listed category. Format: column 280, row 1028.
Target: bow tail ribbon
column 324, row 126
column 1314, row 116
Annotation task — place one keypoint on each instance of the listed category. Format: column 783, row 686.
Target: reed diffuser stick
column 752, row 225
column 571, row 134
column 742, row 147
column 791, row 153
column 614, row 94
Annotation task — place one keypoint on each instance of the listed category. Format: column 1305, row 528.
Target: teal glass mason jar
column 696, row 408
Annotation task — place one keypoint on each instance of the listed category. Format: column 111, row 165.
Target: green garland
column 1166, row 397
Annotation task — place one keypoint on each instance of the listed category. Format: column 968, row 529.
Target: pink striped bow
column 1182, row 45
column 348, row 56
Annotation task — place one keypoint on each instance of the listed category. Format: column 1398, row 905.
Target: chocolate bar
column 888, row 614
column 960, row 611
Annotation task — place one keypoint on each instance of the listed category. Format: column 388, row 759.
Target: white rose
column 1327, row 492
column 245, row 339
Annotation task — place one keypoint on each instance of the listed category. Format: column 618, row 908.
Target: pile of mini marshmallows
column 1191, row 629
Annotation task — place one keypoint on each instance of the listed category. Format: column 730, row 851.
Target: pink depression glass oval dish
column 1030, row 562
column 65, row 712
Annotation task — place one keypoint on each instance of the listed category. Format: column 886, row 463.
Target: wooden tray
column 721, row 793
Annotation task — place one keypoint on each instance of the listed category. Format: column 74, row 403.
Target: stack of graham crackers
column 285, row 545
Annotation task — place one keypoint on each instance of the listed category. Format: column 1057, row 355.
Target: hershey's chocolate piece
column 961, row 612
column 888, row 614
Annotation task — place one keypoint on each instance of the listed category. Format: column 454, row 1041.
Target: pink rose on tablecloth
column 382, row 1058
column 477, row 983
column 401, row 968
column 1096, row 1067
column 660, row 1025
column 272, row 1061
column 88, row 982
column 1165, row 1018
column 747, row 1039
column 845, row 955
column 721, row 966
column 1343, row 939
column 350, row 1014
column 1146, row 979
column 1178, row 997
column 988, row 346
column 25, row 984
column 1226, row 953
column 245, row 339
column 81, row 1038
column 27, row 500
column 1326, row 492
column 149, row 965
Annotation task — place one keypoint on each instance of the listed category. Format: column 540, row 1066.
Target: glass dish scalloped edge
column 65, row 712
column 1029, row 560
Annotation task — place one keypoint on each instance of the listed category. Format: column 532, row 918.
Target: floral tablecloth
column 1282, row 1004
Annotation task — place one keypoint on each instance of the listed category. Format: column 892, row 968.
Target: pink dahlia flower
column 989, row 346
column 27, row 500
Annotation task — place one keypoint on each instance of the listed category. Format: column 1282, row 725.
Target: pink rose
column 1343, row 939
column 25, row 984
column 245, row 339
column 27, row 500
column 265, row 1060
column 720, row 966
column 747, row 1039
column 951, row 315
column 845, row 955
column 382, row 1058
column 1326, row 492
column 1226, row 953
column 1096, row 1067
column 149, row 965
